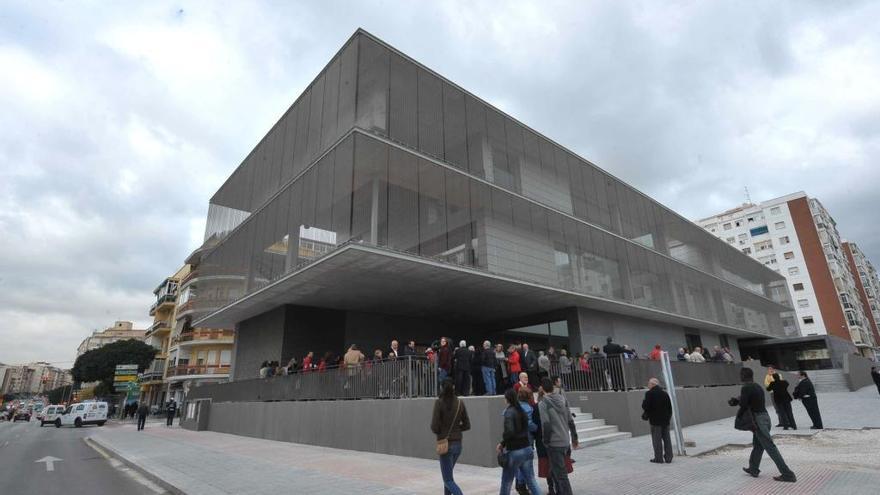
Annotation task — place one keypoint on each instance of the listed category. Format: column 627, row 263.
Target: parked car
column 84, row 413
column 50, row 414
column 22, row 414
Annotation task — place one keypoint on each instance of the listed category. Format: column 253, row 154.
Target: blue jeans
column 442, row 375
column 447, row 464
column 489, row 379
column 519, row 462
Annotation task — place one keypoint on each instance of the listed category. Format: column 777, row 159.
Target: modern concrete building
column 868, row 285
column 121, row 330
column 795, row 236
column 388, row 202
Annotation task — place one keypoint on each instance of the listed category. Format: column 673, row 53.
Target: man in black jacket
column 462, row 366
column 782, row 401
column 529, row 362
column 658, row 412
column 612, row 353
column 751, row 397
column 807, row 394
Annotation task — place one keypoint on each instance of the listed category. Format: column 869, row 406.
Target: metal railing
column 404, row 377
column 206, row 335
column 618, row 373
column 198, row 369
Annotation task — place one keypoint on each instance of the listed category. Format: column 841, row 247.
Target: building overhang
column 359, row 277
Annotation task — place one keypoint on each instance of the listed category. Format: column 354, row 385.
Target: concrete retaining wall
column 858, row 371
column 396, row 427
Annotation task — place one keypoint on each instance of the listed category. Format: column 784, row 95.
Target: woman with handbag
column 449, row 420
column 515, row 449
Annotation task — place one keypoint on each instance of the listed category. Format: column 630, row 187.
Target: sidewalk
column 208, row 462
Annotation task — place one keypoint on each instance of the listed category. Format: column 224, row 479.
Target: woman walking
column 515, row 441
column 449, row 420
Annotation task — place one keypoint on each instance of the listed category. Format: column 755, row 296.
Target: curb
column 168, row 487
column 727, row 446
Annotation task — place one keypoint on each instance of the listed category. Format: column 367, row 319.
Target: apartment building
column 197, row 354
column 121, row 330
column 868, row 284
column 152, row 380
column 797, row 237
column 32, row 378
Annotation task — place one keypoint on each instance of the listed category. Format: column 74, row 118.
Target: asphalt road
column 81, row 469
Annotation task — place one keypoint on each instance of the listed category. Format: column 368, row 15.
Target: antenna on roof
column 748, row 196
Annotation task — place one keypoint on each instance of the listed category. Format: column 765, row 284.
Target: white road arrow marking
column 50, row 462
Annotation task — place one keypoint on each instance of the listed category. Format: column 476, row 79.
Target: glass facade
column 433, row 171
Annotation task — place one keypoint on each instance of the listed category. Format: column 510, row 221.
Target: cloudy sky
column 119, row 120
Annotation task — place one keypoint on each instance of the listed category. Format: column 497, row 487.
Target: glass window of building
column 779, row 225
column 798, row 286
column 784, row 240
column 789, row 255
column 808, row 320
column 794, row 270
column 803, row 303
column 727, row 226
column 775, row 210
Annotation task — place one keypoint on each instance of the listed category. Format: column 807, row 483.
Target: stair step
column 583, row 424
column 596, row 431
column 583, row 416
column 589, row 442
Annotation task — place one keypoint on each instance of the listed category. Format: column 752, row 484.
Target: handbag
column 502, row 458
column 745, row 420
column 443, row 445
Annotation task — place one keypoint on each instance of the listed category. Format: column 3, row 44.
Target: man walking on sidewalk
column 142, row 412
column 558, row 429
column 170, row 411
column 751, row 402
column 658, row 412
column 875, row 375
column 807, row 394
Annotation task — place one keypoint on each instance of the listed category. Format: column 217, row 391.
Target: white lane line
column 121, row 467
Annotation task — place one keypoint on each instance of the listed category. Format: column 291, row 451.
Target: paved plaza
column 844, row 459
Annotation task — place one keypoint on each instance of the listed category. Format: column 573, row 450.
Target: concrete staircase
column 593, row 431
column 828, row 380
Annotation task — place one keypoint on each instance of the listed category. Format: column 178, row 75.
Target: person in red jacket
column 655, row 354
column 307, row 362
column 513, row 365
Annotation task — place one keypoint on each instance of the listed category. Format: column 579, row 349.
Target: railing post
column 670, row 387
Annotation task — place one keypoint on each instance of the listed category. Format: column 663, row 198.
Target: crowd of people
column 491, row 369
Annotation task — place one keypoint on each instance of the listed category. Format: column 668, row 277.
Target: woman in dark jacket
column 515, row 441
column 782, row 401
column 449, row 420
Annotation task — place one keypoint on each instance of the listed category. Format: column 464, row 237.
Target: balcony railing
column 160, row 325
column 191, row 275
column 198, row 369
column 201, row 335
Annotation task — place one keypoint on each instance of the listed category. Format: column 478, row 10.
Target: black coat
column 612, row 349
column 780, row 391
column 529, row 361
column 488, row 358
column 804, row 388
column 875, row 375
column 463, row 357
column 657, row 406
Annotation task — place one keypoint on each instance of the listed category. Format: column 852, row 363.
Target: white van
column 85, row 413
column 50, row 414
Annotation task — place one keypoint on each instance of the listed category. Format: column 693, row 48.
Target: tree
column 99, row 365
column 60, row 394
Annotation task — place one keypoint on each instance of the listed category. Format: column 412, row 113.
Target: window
column 738, row 223
column 788, row 255
column 775, row 210
column 794, row 270
column 808, row 320
column 730, row 239
column 783, row 240
column 759, row 230
column 225, row 357
column 798, row 286
column 779, row 225
column 747, row 250
column 727, row 226
column 751, row 219
column 803, row 303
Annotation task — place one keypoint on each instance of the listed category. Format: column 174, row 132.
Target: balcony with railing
column 205, row 336
column 189, row 277
column 155, row 372
column 163, row 302
column 213, row 370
